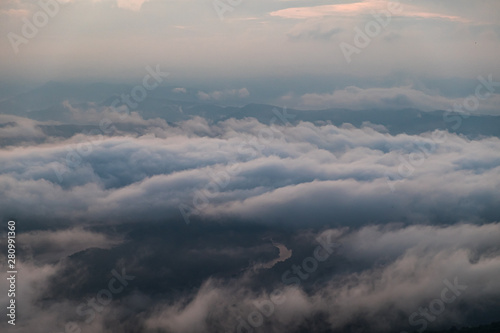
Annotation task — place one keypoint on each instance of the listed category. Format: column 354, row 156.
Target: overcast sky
column 116, row 39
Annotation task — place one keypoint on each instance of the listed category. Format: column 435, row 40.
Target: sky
column 202, row 39
column 193, row 166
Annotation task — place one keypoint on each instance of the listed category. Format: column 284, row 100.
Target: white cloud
column 355, row 98
column 283, row 173
column 179, row 90
column 224, row 94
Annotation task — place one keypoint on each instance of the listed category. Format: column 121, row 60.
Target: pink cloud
column 357, row 8
column 15, row 12
column 329, row 10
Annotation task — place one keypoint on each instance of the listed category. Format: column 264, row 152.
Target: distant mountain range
column 46, row 103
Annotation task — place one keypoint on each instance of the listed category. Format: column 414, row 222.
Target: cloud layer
column 378, row 278
column 227, row 223
column 250, row 170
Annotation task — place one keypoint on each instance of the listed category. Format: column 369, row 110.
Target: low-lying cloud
column 249, row 170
